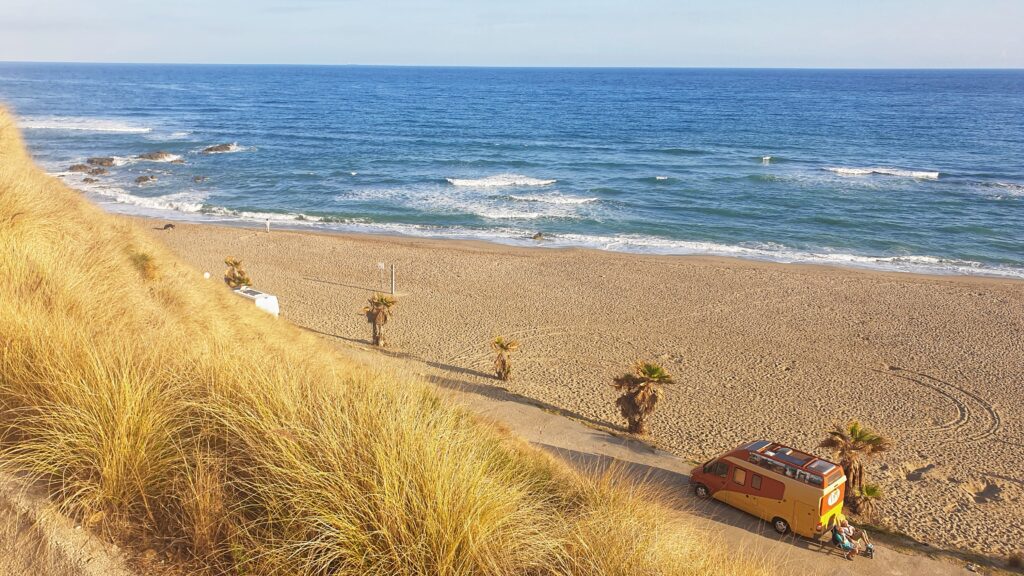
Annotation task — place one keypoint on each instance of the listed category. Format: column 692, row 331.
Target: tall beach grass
column 159, row 409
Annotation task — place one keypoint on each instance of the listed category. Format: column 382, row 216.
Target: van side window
column 739, row 476
column 755, row 481
column 717, row 468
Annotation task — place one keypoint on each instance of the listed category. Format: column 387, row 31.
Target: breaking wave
column 552, row 199
column 81, row 124
column 500, row 180
column 896, row 172
column 193, row 205
column 186, row 202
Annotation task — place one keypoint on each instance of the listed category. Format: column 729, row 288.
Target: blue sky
column 743, row 33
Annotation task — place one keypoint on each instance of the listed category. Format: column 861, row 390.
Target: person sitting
column 849, row 547
column 855, row 535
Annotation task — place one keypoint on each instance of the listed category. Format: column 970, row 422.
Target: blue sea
column 919, row 171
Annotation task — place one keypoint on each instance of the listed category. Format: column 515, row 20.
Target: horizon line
column 516, row 66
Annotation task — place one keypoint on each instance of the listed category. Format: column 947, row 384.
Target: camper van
column 793, row 490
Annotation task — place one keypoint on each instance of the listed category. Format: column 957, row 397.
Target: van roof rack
column 791, row 457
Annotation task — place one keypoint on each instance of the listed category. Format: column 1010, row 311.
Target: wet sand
column 757, row 350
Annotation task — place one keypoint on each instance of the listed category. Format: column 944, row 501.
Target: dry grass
column 156, row 407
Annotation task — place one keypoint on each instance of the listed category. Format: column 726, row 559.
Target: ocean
column 918, row 171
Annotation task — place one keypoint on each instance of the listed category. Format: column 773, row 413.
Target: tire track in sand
column 977, row 420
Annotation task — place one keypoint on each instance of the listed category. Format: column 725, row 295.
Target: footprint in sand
column 983, row 491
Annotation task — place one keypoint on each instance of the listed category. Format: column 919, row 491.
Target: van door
column 716, row 474
column 756, row 496
column 739, row 485
column 805, row 518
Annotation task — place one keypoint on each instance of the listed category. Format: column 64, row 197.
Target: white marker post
column 392, row 279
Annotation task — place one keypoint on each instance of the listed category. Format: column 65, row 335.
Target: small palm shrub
column 852, row 444
column 235, row 277
column 378, row 312
column 503, row 349
column 641, row 391
column 868, row 498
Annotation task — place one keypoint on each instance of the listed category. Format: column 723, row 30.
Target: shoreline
column 756, row 349
column 484, row 244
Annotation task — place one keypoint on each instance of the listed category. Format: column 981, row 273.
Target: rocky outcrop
column 158, row 156
column 145, row 180
column 97, row 171
column 79, row 168
column 89, row 180
column 199, row 179
column 218, row 149
column 105, row 161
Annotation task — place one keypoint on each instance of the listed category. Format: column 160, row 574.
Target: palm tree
column 641, row 391
column 868, row 498
column 851, row 444
column 235, row 277
column 377, row 314
column 503, row 361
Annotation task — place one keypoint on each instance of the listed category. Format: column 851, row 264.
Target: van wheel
column 701, row 491
column 780, row 525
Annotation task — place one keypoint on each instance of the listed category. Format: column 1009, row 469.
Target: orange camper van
column 793, row 490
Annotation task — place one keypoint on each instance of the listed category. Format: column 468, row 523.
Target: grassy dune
column 161, row 410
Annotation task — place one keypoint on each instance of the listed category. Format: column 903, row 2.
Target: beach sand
column 757, row 350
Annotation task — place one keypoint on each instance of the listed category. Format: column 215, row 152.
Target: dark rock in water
column 105, row 161
column 89, row 180
column 178, row 161
column 218, row 148
column 145, row 179
column 198, row 179
column 538, row 236
column 158, row 156
column 79, row 168
column 97, row 171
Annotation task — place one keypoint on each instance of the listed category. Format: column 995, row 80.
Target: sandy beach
column 757, row 350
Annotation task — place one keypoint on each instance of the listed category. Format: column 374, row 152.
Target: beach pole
column 392, row 279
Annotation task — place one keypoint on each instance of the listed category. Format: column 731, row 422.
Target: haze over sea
column 917, row 171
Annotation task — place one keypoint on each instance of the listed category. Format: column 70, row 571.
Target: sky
column 661, row 33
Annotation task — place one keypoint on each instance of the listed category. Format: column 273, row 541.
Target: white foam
column 81, row 124
column 296, row 217
column 187, row 202
column 440, row 200
column 916, row 174
column 661, row 177
column 500, row 180
column 501, row 214
column 1012, row 188
column 922, row 264
column 193, row 205
column 552, row 199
